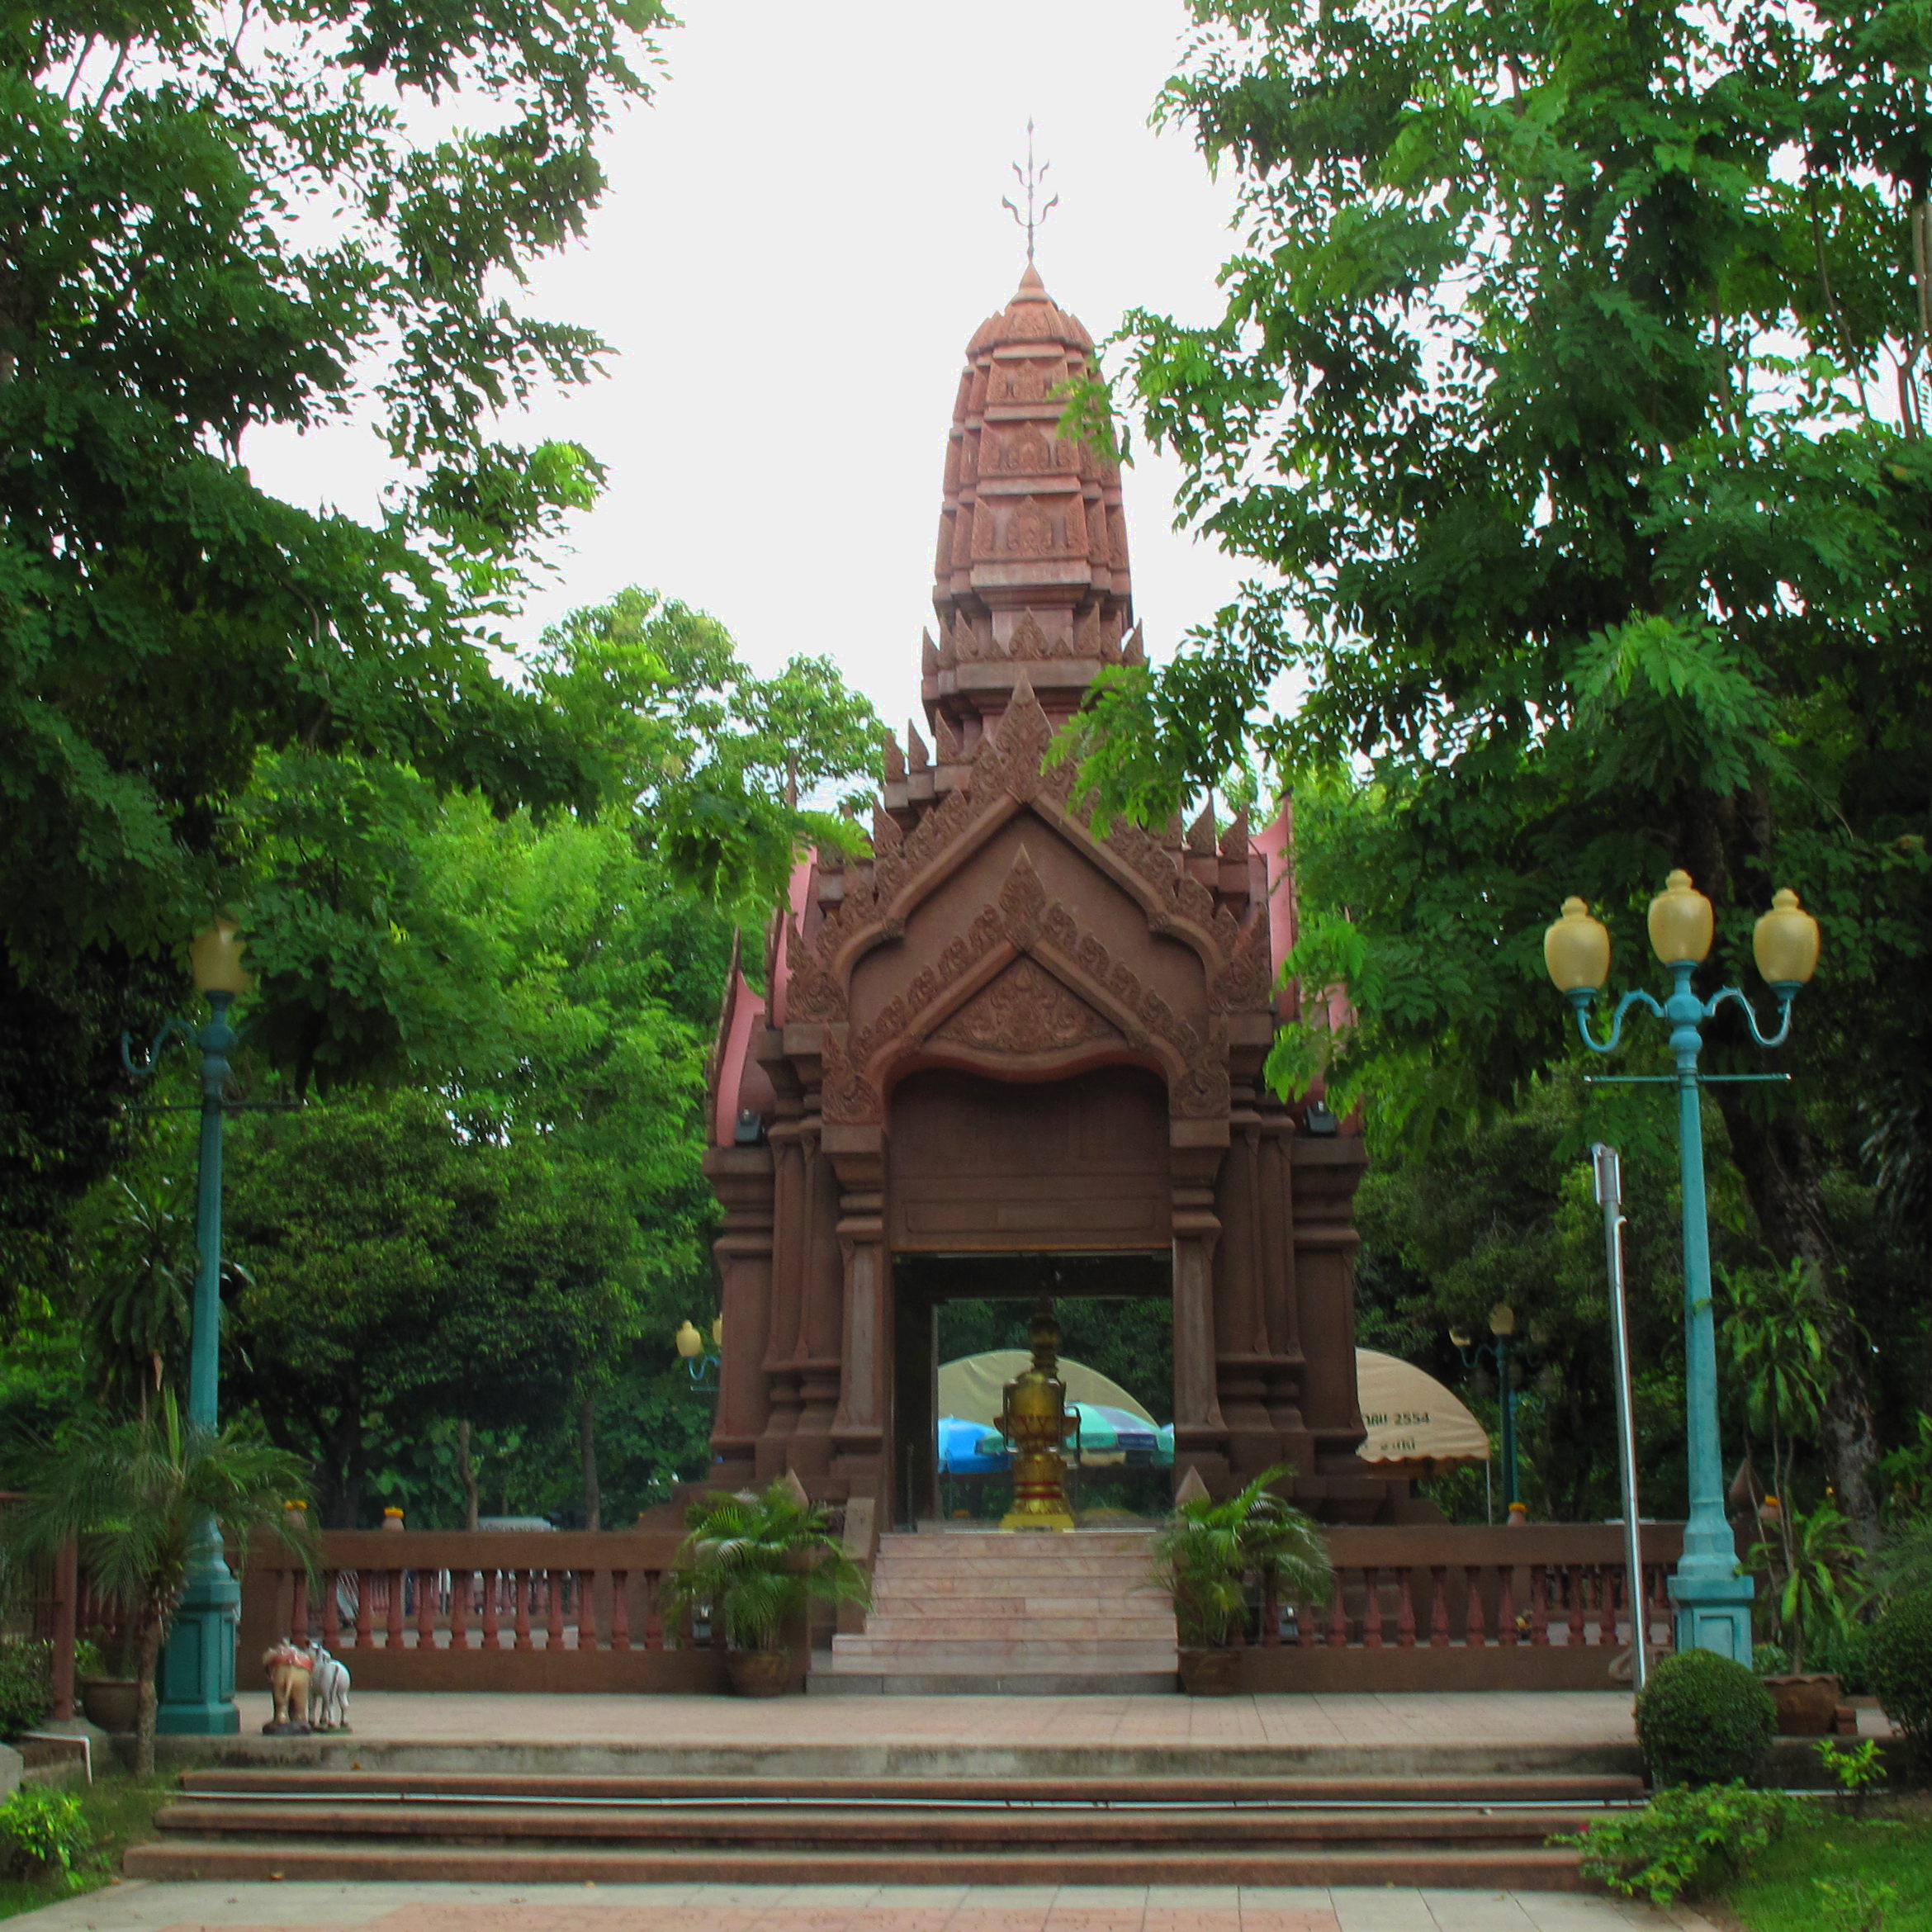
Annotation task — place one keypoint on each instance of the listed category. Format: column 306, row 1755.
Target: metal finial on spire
column 1032, row 179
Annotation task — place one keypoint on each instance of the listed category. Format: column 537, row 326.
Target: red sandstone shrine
column 1004, row 1044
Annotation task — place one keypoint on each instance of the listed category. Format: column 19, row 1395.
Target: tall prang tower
column 1003, row 1049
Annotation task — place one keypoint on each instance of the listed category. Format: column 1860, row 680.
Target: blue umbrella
column 969, row 1448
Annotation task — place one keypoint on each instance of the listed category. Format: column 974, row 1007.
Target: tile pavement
column 233, row 1907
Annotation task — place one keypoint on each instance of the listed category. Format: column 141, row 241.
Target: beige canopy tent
column 972, row 1387
column 1410, row 1417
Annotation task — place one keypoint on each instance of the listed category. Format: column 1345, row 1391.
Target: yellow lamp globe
column 1785, row 941
column 689, row 1342
column 1576, row 949
column 215, row 958
column 718, row 1331
column 1681, row 922
column 1501, row 1320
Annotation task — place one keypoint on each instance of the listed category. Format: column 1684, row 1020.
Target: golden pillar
column 1035, row 1423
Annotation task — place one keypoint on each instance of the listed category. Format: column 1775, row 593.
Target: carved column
column 1242, row 1355
column 1326, row 1173
column 1280, row 1293
column 1201, row 1437
column 794, row 1149
column 743, row 1179
column 859, row 1431
column 815, row 1357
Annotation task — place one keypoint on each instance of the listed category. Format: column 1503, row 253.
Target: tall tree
column 1569, row 390
column 211, row 219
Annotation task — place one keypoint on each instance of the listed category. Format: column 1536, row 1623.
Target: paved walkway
column 136, row 1907
column 1455, row 1717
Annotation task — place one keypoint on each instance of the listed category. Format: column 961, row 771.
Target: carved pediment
column 1025, row 1009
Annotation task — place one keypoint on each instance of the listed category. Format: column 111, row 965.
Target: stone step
column 1492, row 1868
column 1154, row 1781
column 1017, row 1603
column 1091, row 1626
column 966, row 1656
column 990, row 1826
column 968, row 1571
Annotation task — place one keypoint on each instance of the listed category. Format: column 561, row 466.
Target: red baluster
column 459, row 1609
column 492, row 1629
column 587, row 1610
column 553, row 1583
column 1505, row 1604
column 1606, row 1578
column 1474, row 1633
column 1439, row 1606
column 1371, row 1611
column 365, row 1609
column 1337, row 1617
column 426, row 1609
column 1404, row 1611
column 1306, row 1619
column 520, row 1585
column 1575, row 1575
column 331, row 1610
column 620, row 1609
column 1539, row 1605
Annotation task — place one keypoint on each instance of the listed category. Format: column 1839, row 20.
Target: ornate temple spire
column 1030, row 577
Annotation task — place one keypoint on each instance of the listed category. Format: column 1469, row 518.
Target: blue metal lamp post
column 1713, row 1601
column 197, row 1667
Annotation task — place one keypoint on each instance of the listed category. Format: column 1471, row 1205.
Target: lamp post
column 197, row 1667
column 1713, row 1601
column 701, row 1362
column 1502, row 1329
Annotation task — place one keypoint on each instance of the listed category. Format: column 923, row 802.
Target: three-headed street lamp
column 197, row 1667
column 1713, row 1599
column 1502, row 1329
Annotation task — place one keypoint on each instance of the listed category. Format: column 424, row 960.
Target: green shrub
column 1683, row 1841
column 1898, row 1659
column 26, row 1684
column 43, row 1833
column 1700, row 1719
column 1771, row 1660
column 1845, row 1653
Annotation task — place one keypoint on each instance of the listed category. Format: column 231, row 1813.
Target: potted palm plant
column 1207, row 1553
column 755, row 1561
column 135, row 1495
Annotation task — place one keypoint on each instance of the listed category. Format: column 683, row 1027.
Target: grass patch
column 120, row 1811
column 1894, row 1849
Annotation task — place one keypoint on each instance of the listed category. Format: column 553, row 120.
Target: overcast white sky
column 803, row 229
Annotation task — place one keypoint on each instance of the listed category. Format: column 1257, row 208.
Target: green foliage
column 1684, row 1840
column 1770, row 1660
column 26, row 1684
column 1206, row 1552
column 44, row 1834
column 1904, row 1564
column 1857, row 1770
column 755, row 1561
column 1815, row 1589
column 1552, row 394
column 1856, row 1905
column 1704, row 1720
column 1899, row 1662
column 133, row 1495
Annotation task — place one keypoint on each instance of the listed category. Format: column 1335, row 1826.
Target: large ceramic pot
column 758, row 1673
column 1210, row 1674
column 113, row 1702
column 1807, row 1706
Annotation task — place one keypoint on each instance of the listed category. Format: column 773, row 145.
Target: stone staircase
column 853, row 1815
column 989, row 1611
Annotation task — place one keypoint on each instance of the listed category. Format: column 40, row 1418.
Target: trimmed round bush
column 1700, row 1719
column 1898, row 1663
